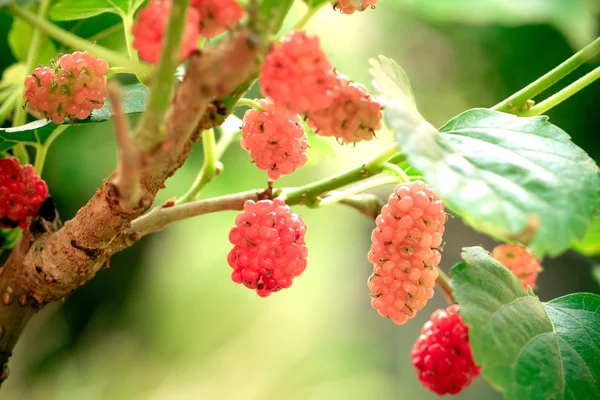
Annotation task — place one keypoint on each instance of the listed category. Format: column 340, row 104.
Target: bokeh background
column 166, row 322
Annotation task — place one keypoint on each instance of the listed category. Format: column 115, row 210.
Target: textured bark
column 50, row 264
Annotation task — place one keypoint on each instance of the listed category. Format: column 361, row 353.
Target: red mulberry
column 269, row 246
column 520, row 261
column 442, row 354
column 22, row 193
column 297, row 74
column 353, row 115
column 404, row 251
column 218, row 16
column 275, row 139
column 350, row 6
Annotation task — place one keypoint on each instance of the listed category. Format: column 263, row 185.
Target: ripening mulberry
column 520, row 261
column 442, row 353
column 150, row 27
column 353, row 115
column 350, row 6
column 275, row 139
column 404, row 251
column 218, row 16
column 269, row 246
column 74, row 88
column 22, row 193
column 297, row 74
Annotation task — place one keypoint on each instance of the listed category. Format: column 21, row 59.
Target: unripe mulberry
column 404, row 251
column 353, row 115
column 519, row 261
column 22, row 193
column 350, row 6
column 218, row 16
column 269, row 246
column 442, row 353
column 297, row 74
column 150, row 27
column 74, row 88
column 275, row 139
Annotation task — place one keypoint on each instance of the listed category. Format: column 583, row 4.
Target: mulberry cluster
column 269, row 248
column 350, row 6
column 150, row 27
column 72, row 89
column 442, row 354
column 21, row 193
column 520, row 261
column 218, row 16
column 353, row 115
column 297, row 74
column 275, row 139
column 404, row 251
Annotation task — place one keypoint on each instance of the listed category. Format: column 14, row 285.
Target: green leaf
column 516, row 178
column 19, row 39
column 13, row 75
column 390, row 79
column 528, row 349
column 315, row 3
column 66, row 10
column 590, row 244
column 37, row 132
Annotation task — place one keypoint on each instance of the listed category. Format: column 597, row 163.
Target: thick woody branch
column 129, row 168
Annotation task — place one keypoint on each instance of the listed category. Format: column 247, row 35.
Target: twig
column 129, row 168
column 443, row 284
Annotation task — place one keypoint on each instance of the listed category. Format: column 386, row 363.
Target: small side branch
column 129, row 166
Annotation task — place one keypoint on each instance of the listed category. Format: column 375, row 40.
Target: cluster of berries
column 205, row 18
column 22, row 193
column 404, row 251
column 519, row 261
column 72, row 88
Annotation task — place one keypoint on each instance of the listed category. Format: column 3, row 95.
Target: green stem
column 249, row 103
column 337, row 196
column 310, row 12
column 515, row 103
column 42, row 150
column 78, row 43
column 8, row 106
column 127, row 24
column 396, row 171
column 119, row 70
column 306, row 194
column 443, row 283
column 212, row 154
column 149, row 129
column 562, row 95
column 6, row 93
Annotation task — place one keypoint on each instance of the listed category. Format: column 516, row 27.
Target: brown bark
column 48, row 266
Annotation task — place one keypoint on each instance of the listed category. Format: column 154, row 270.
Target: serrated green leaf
column 67, row 10
column 133, row 101
column 19, row 39
column 507, row 176
column 527, row 349
column 390, row 80
column 590, row 244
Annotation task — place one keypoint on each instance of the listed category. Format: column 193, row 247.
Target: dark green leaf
column 528, row 349
column 19, row 39
column 133, row 102
column 516, row 178
column 66, row 10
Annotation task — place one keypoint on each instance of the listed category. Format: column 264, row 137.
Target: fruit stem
column 514, row 104
column 443, row 284
column 119, row 70
column 212, row 166
column 8, row 105
column 563, row 94
column 249, row 103
column 306, row 17
column 337, row 196
column 396, row 171
column 305, row 194
column 148, row 132
column 42, row 149
column 75, row 42
column 127, row 25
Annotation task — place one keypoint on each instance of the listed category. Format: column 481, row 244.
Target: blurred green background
column 166, row 322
